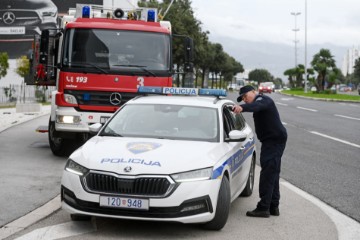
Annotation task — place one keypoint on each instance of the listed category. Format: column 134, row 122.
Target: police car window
column 228, row 121
column 165, row 121
column 238, row 121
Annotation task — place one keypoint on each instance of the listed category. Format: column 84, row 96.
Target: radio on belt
column 183, row 91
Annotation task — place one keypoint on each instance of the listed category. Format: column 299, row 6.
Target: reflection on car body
column 21, row 19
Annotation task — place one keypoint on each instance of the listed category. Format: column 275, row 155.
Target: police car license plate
column 104, row 119
column 123, row 202
column 12, row 30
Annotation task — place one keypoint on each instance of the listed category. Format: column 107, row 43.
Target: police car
column 163, row 158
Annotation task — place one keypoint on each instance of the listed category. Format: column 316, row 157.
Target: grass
column 322, row 95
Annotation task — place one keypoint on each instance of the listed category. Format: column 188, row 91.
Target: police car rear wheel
column 250, row 182
column 222, row 207
column 77, row 217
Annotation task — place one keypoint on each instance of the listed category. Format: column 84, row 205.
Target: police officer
column 272, row 135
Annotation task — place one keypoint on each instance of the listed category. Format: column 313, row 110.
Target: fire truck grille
column 93, row 98
column 103, row 183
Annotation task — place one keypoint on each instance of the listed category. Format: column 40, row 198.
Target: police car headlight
column 196, row 175
column 73, row 167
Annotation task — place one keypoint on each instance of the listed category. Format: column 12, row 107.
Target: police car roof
column 198, row 101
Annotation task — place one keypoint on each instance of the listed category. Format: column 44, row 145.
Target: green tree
column 323, row 63
column 260, row 75
column 4, row 64
column 23, row 66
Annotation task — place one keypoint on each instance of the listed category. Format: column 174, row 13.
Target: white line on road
column 335, row 139
column 63, row 230
column 282, row 104
column 353, row 105
column 307, row 109
column 358, row 119
column 348, row 229
column 284, row 123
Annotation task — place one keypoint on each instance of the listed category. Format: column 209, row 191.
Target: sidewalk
column 9, row 117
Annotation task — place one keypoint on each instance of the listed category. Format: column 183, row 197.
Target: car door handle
column 242, row 148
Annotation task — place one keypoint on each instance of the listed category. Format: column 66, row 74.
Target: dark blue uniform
column 272, row 134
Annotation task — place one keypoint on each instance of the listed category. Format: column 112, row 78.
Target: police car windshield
column 118, row 51
column 165, row 122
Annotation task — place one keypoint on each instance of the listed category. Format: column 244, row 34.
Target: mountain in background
column 276, row 58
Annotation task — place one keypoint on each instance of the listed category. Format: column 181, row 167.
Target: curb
column 320, row 99
column 27, row 120
column 29, row 219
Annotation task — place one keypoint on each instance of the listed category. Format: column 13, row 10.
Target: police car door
column 239, row 166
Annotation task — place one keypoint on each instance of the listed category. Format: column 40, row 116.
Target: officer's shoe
column 258, row 213
column 274, row 211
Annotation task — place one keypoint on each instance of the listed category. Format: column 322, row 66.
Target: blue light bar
column 212, row 92
column 154, row 90
column 182, row 91
column 86, row 12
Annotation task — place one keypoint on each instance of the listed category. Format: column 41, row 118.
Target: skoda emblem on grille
column 115, row 99
column 9, row 17
column 127, row 169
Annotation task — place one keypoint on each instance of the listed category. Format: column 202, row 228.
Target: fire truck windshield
column 117, row 51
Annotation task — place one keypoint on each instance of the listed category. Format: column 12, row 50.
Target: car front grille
column 22, row 18
column 142, row 186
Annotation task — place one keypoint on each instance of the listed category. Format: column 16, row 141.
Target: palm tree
column 323, row 62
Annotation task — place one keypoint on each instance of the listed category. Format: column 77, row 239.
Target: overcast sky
column 329, row 21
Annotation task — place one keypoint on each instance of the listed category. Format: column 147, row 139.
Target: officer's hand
column 237, row 109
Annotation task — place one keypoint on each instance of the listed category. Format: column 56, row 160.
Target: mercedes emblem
column 115, row 99
column 127, row 169
column 9, row 17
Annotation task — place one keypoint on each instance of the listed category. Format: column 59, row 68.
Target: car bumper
column 179, row 206
column 86, row 119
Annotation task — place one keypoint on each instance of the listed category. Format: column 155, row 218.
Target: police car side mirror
column 236, row 136
column 95, row 128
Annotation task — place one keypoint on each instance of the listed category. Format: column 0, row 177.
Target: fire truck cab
column 97, row 61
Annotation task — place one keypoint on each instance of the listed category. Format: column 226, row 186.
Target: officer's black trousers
column 270, row 162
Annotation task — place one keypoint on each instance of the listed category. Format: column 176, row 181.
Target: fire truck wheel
column 59, row 146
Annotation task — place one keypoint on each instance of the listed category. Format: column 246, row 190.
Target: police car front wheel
column 222, row 207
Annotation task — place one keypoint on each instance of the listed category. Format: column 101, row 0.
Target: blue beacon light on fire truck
column 86, row 12
column 183, row 91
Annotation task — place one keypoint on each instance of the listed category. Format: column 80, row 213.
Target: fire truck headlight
column 70, row 99
column 68, row 119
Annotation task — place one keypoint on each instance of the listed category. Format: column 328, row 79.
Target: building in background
column 349, row 60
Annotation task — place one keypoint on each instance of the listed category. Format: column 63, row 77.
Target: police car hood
column 146, row 156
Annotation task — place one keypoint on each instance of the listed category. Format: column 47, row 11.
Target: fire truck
column 97, row 60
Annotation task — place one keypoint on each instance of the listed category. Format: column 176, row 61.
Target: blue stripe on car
column 232, row 159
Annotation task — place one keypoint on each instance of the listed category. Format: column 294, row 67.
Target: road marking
column 287, row 99
column 307, row 109
column 30, row 218
column 335, row 139
column 63, row 230
column 358, row 119
column 353, row 105
column 282, row 104
column 347, row 228
column 284, row 123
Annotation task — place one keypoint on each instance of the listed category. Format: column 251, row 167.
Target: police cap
column 243, row 91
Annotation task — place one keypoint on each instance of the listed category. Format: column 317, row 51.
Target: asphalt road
column 326, row 168
column 29, row 173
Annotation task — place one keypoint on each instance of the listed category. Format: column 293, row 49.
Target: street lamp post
column 295, row 14
column 306, row 75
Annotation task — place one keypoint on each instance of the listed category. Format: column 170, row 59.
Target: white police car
column 163, row 158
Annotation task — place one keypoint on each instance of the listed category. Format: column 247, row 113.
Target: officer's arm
column 259, row 104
